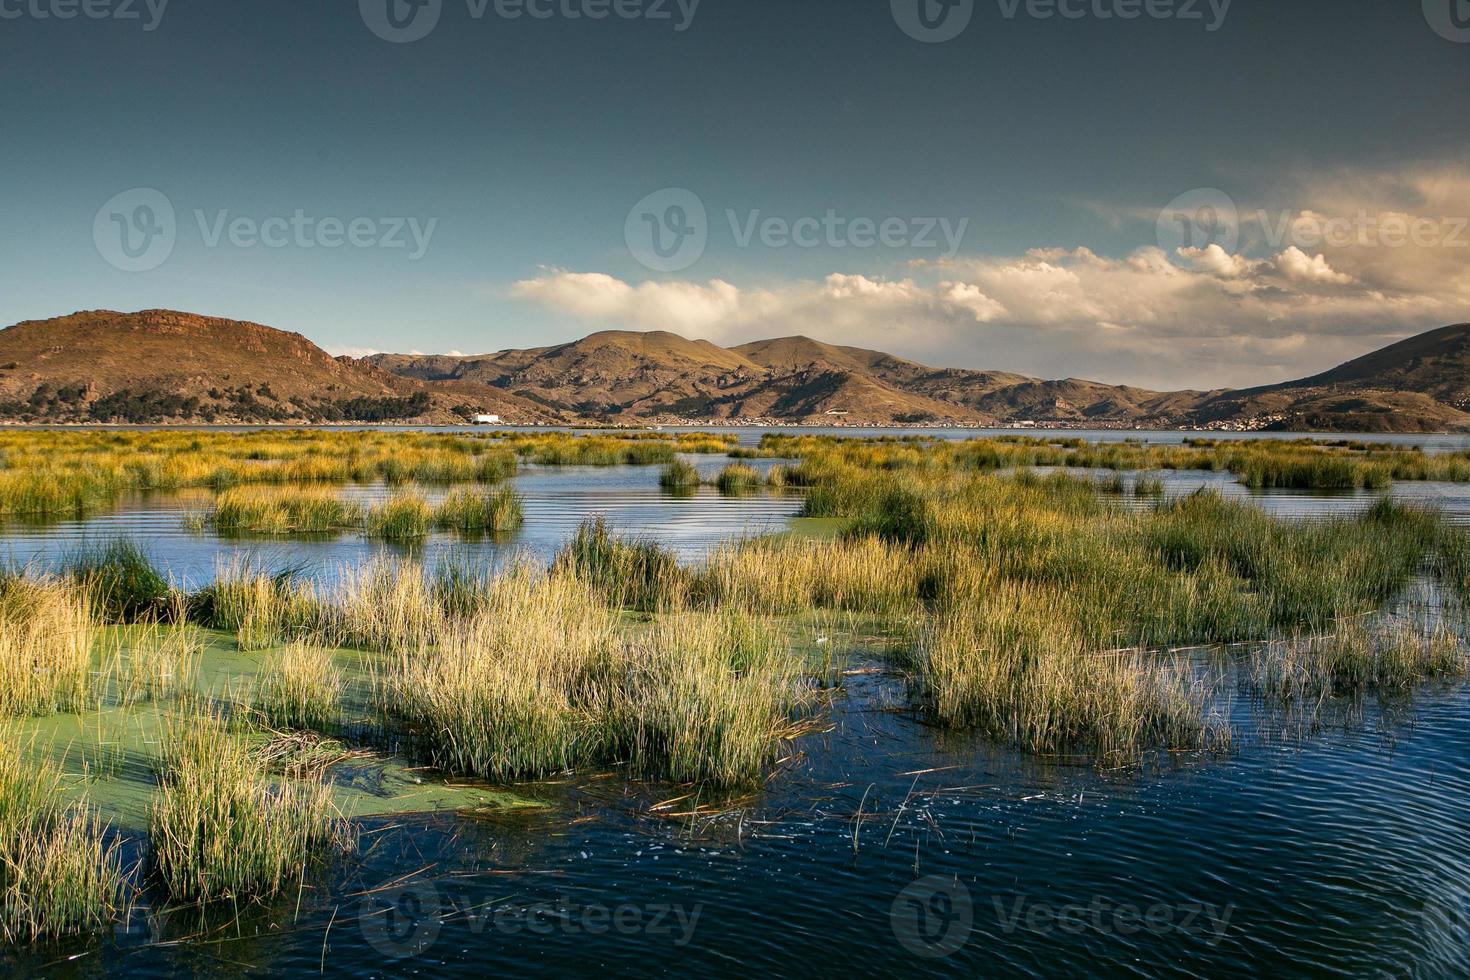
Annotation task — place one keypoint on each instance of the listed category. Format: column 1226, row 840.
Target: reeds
column 47, row 633
column 161, row 663
column 1354, row 659
column 1009, row 668
column 738, row 478
column 539, row 683
column 630, row 574
column 301, row 688
column 59, row 874
column 120, row 581
column 510, row 692
column 704, row 697
column 219, row 829
column 680, row 475
column 282, row 510
column 403, row 517
column 470, row 511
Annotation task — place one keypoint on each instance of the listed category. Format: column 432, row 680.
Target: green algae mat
column 111, row 754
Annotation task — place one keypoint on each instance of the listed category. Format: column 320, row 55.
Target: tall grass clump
column 47, row 632
column 262, row 610
column 680, row 475
column 704, row 698
column 301, row 688
column 1009, row 668
column 1148, row 487
column 630, row 574
column 470, row 511
column 1354, row 659
column 220, row 829
column 404, row 517
column 282, row 510
column 539, row 682
column 162, row 663
column 60, row 876
column 738, row 478
column 385, row 604
column 120, row 580
column 512, row 692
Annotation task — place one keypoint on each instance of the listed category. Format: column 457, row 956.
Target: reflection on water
column 884, row 848
column 556, row 501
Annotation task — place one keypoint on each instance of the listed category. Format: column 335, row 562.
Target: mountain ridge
column 168, row 366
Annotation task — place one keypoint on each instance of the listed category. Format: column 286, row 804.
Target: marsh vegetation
column 1052, row 614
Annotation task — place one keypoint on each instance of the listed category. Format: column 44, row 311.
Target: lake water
column 881, row 847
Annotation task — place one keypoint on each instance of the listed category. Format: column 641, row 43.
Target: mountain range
column 165, row 366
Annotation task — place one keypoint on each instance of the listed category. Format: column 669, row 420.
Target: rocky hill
column 163, row 366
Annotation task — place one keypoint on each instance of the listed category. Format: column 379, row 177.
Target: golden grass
column 47, row 633
column 220, row 830
column 301, row 688
column 59, row 874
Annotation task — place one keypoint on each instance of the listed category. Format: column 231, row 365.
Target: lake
column 880, row 845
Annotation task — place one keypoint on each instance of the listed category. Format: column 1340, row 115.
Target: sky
column 1164, row 193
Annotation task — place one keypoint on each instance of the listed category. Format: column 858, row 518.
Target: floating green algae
column 111, row 754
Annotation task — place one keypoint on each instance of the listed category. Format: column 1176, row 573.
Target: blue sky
column 522, row 144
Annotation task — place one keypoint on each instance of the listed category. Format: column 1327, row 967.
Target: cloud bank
column 1364, row 260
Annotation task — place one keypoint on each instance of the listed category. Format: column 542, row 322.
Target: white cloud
column 1301, row 267
column 1203, row 317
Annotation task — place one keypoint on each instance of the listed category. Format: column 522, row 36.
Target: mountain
column 159, row 366
column 1419, row 384
column 164, row 366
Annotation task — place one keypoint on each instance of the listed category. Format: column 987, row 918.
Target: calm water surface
column 880, row 847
